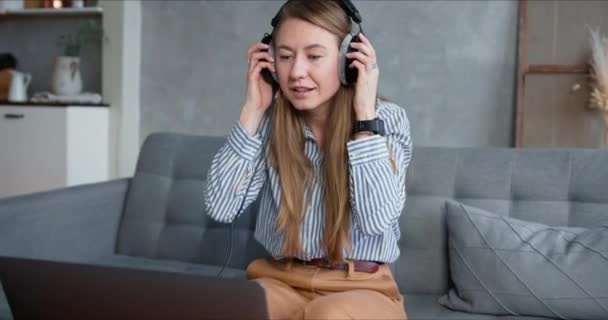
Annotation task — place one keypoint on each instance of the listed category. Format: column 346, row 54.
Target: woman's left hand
column 367, row 79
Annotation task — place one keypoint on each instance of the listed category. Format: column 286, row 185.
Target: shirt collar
column 307, row 132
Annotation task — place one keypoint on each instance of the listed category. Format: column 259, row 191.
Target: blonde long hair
column 286, row 150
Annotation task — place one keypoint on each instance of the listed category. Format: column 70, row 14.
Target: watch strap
column 376, row 126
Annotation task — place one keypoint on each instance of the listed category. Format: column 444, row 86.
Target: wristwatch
column 376, row 126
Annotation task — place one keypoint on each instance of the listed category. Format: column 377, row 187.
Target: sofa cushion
column 507, row 266
column 164, row 216
column 426, row 307
column 123, row 261
column 559, row 187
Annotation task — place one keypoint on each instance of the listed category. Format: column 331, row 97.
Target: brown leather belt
column 360, row 265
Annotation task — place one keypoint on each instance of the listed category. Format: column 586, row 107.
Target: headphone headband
column 351, row 10
column 347, row 75
column 346, row 5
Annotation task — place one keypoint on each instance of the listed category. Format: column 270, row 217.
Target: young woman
column 328, row 161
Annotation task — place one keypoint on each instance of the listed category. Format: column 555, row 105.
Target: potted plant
column 67, row 80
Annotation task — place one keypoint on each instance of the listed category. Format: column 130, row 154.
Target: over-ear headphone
column 348, row 76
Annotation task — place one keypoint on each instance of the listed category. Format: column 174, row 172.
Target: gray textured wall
column 32, row 40
column 450, row 64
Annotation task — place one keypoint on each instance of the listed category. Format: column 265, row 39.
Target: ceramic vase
column 66, row 76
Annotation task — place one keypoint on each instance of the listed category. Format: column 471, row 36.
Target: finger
column 362, row 47
column 255, row 47
column 360, row 66
column 258, row 68
column 365, row 40
column 368, row 44
column 260, row 56
column 360, row 57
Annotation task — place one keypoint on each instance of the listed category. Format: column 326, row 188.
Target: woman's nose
column 299, row 69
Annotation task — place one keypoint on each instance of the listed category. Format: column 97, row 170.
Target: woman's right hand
column 259, row 92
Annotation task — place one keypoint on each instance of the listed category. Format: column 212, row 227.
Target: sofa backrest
column 164, row 214
column 556, row 187
column 165, row 217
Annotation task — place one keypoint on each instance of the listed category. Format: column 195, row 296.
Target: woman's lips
column 301, row 93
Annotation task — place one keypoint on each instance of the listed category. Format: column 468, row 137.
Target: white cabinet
column 49, row 147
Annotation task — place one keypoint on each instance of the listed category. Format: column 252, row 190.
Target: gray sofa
column 155, row 220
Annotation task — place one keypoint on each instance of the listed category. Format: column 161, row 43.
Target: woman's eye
column 314, row 57
column 283, row 57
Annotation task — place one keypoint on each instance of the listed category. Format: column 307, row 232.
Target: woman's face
column 306, row 60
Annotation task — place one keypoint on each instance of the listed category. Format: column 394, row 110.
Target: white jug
column 19, row 83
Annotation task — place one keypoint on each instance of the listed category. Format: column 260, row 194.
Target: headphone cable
column 230, row 250
column 232, row 226
column 275, row 89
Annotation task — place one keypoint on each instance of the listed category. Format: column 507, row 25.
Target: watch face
column 381, row 128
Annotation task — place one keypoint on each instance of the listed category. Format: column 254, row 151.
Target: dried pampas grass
column 599, row 72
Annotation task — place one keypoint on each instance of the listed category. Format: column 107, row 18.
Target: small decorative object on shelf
column 82, row 98
column 33, row 4
column 67, row 79
column 77, row 3
column 599, row 76
column 56, row 4
column 66, row 76
column 11, row 5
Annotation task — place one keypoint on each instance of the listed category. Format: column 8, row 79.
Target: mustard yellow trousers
column 297, row 291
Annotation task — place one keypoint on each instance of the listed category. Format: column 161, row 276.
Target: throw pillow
column 505, row 266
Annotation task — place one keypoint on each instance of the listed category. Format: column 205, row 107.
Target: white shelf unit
column 50, row 147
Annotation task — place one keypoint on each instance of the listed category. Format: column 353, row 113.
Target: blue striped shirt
column 377, row 195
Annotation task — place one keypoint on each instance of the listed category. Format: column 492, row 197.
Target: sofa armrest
column 70, row 224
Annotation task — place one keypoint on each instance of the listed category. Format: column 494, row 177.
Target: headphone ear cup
column 348, row 76
column 273, row 74
column 351, row 73
column 269, row 76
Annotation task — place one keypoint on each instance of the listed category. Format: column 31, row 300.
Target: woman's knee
column 354, row 304
column 282, row 301
column 326, row 307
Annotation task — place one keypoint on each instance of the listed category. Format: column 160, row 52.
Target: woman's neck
column 316, row 120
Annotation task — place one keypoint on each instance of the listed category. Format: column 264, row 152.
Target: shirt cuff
column 367, row 149
column 243, row 144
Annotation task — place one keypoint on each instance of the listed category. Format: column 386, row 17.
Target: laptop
column 41, row 289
